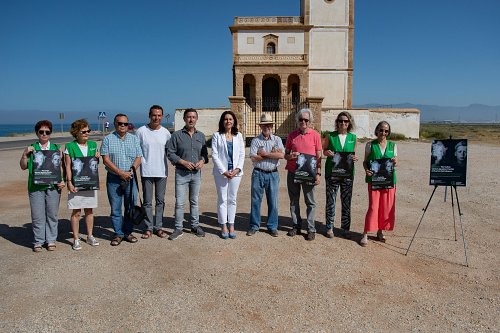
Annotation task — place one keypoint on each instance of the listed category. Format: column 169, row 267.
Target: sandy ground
column 260, row 283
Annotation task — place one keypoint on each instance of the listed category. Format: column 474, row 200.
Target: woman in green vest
column 78, row 199
column 382, row 202
column 44, row 199
column 341, row 140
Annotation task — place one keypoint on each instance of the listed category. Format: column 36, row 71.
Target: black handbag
column 137, row 214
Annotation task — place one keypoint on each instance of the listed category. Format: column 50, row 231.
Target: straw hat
column 266, row 119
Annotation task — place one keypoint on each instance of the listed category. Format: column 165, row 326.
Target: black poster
column 306, row 169
column 85, row 172
column 448, row 162
column 46, row 167
column 343, row 165
column 383, row 173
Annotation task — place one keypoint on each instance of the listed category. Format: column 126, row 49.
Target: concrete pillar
column 315, row 105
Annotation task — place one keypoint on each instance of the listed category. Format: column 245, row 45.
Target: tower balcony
column 270, row 59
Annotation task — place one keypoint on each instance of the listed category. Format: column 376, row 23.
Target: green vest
column 32, row 187
column 74, row 150
column 335, row 146
column 376, row 154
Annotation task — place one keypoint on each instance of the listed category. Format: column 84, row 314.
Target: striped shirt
column 274, row 142
column 122, row 152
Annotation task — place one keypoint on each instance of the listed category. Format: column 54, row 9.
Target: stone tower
column 329, row 44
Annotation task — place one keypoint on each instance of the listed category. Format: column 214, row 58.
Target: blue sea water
column 10, row 129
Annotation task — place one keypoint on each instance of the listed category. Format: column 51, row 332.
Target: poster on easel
column 46, row 167
column 448, row 162
column 343, row 165
column 306, row 169
column 85, row 172
column 383, row 173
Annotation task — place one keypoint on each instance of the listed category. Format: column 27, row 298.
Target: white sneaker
column 364, row 241
column 92, row 241
column 76, row 245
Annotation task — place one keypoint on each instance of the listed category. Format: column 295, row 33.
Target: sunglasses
column 42, row 132
column 302, row 119
column 342, row 121
column 121, row 124
column 383, row 131
column 86, row 132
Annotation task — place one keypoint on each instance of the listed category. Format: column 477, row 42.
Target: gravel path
column 261, row 283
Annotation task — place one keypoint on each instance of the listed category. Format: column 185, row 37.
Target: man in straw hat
column 265, row 152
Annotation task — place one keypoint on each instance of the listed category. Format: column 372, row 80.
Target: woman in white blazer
column 228, row 156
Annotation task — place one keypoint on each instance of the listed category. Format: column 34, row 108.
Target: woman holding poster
column 44, row 197
column 381, row 202
column 78, row 199
column 335, row 143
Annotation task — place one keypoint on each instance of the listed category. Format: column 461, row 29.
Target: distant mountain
column 32, row 116
column 472, row 113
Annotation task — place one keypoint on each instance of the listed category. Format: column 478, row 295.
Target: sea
column 13, row 129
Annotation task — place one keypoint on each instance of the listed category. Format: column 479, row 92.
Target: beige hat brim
column 267, row 123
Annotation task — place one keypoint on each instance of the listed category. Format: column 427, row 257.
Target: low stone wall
column 208, row 119
column 402, row 121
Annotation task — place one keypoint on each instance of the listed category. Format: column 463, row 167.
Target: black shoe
column 198, row 231
column 273, row 233
column 293, row 232
column 176, row 234
column 251, row 232
column 311, row 236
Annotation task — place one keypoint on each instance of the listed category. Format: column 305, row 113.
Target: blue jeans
column 187, row 180
column 294, row 194
column 268, row 182
column 116, row 196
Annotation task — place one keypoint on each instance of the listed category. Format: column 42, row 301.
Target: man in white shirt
column 153, row 138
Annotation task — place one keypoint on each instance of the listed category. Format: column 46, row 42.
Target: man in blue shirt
column 120, row 153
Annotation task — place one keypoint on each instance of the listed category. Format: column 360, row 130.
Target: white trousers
column 227, row 191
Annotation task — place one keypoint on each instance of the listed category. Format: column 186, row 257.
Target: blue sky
column 125, row 55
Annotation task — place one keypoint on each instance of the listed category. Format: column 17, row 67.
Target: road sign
column 102, row 114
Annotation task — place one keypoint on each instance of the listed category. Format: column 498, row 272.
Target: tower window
column 271, row 48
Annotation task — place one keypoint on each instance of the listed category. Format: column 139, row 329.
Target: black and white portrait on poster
column 85, row 172
column 343, row 165
column 383, row 173
column 449, row 162
column 46, row 167
column 306, row 169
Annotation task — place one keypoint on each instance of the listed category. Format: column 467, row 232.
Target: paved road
column 22, row 143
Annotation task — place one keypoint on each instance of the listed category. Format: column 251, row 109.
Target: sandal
column 146, row 235
column 51, row 247
column 160, row 233
column 380, row 236
column 116, row 241
column 131, row 238
column 37, row 248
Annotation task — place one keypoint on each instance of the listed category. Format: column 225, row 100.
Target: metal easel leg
column 453, row 210
column 421, row 218
column 461, row 226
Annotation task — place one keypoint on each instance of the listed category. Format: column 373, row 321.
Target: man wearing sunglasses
column 120, row 153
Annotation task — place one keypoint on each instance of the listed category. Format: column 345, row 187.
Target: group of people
column 152, row 146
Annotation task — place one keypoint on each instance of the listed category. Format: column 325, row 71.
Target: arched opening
column 270, row 94
column 294, row 88
column 249, row 89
